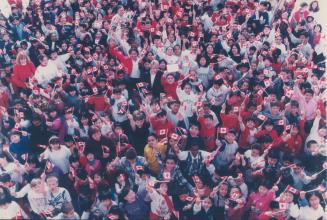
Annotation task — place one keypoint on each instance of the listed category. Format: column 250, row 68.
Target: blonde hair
column 35, row 182
column 21, row 55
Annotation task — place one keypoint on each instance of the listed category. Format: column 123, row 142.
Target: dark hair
column 311, row 142
column 67, row 207
column 105, row 195
column 171, row 157
column 5, row 197
column 131, row 154
column 310, row 194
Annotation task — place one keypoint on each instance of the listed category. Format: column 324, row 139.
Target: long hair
column 21, row 55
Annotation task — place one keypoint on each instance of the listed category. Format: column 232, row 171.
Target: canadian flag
column 236, row 109
column 143, row 52
column 19, row 215
column 260, row 92
column 139, row 85
column 229, row 35
column 166, row 175
column 283, row 205
column 120, row 67
column 72, row 171
column 189, row 198
column 192, row 34
column 175, row 136
column 288, row 127
column 105, row 67
column 25, row 156
column 222, row 130
column 200, row 87
column 152, row 29
column 292, row 190
column 234, row 89
column 180, row 13
column 42, row 38
column 267, row 82
column 124, row 103
column 217, row 77
column 262, row 117
column 198, row 104
column 95, row 90
column 235, row 195
column 163, row 132
column 165, row 7
column 49, row 165
column 281, row 122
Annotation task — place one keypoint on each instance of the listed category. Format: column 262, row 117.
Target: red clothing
column 261, row 203
column 230, row 121
column 263, row 216
column 170, row 89
column 125, row 60
column 99, row 103
column 157, row 126
column 4, row 99
column 273, row 134
column 243, row 141
column 293, row 145
column 208, row 135
column 21, row 73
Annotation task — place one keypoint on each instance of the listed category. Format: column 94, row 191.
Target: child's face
column 230, row 137
column 194, row 130
column 170, row 79
column 274, row 110
column 15, row 139
column 272, row 161
column 250, row 124
column 163, row 188
column 207, row 204
column 90, row 157
column 223, row 190
column 262, row 190
column 269, row 127
column 97, row 178
column 255, row 153
column 307, row 96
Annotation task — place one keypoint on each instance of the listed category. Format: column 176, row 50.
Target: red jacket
column 99, row 103
column 21, row 74
column 125, row 60
column 208, row 135
column 170, row 89
column 158, row 126
column 230, row 121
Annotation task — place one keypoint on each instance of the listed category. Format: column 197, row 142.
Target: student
column 67, row 212
column 314, row 210
column 155, row 153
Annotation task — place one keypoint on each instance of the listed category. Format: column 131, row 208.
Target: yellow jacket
column 149, row 154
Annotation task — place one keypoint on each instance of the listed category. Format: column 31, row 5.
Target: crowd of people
column 162, row 110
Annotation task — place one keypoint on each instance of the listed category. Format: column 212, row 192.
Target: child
column 248, row 132
column 67, row 212
column 91, row 164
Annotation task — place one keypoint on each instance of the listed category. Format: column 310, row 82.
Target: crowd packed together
column 162, row 110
